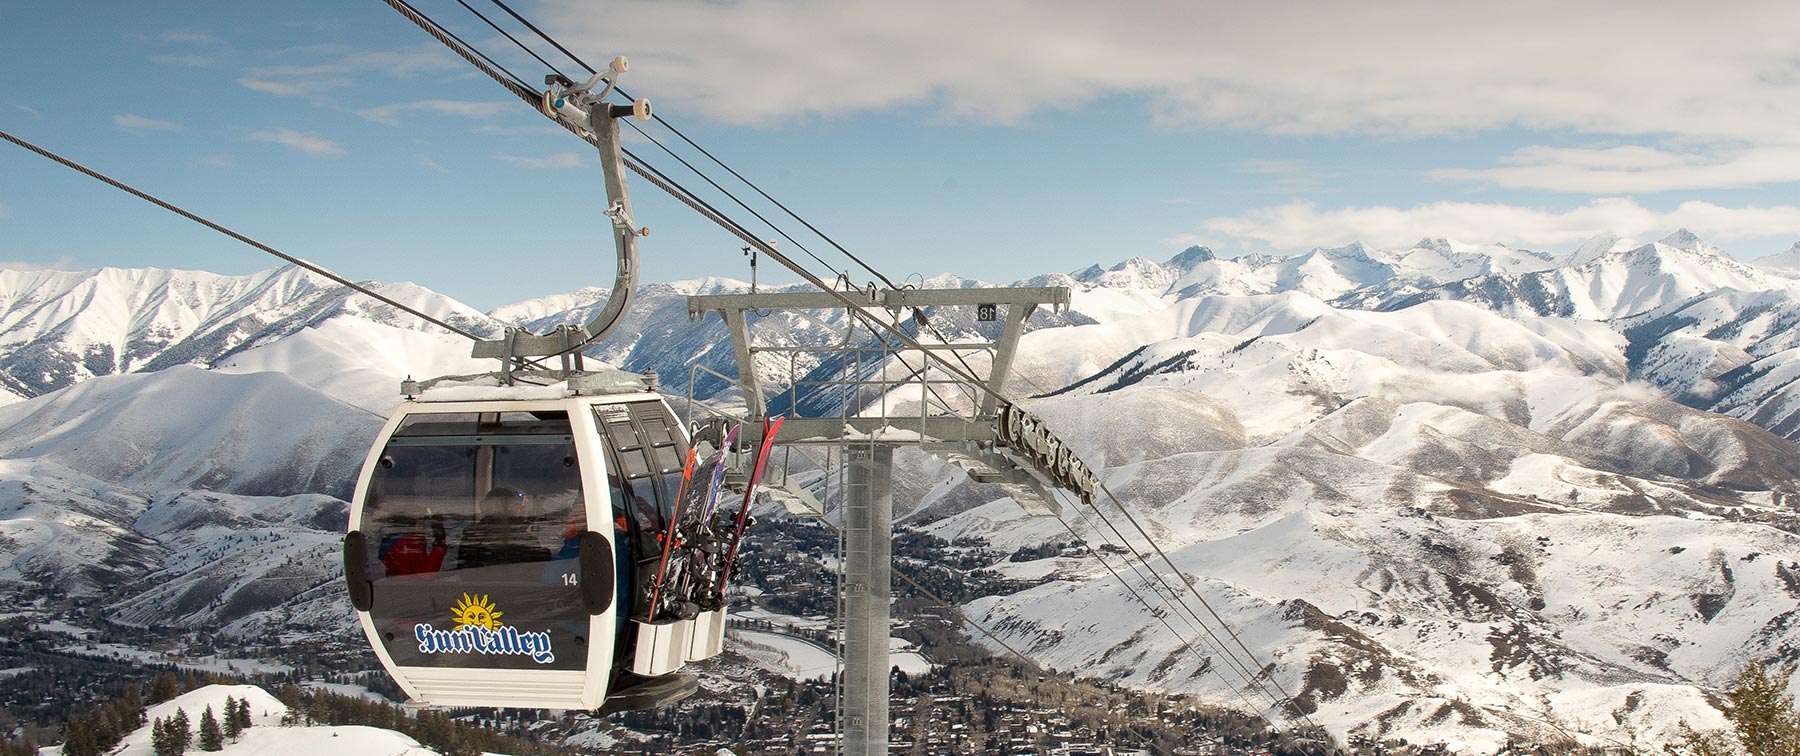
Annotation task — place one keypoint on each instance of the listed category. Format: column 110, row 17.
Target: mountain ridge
column 1397, row 504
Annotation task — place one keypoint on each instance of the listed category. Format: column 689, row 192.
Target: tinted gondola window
column 472, row 523
column 668, row 450
column 635, row 476
column 649, row 451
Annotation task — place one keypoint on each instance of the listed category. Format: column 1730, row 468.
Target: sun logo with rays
column 476, row 611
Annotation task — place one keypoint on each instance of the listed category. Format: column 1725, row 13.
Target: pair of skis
column 702, row 532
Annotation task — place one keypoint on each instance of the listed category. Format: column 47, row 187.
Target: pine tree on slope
column 211, row 739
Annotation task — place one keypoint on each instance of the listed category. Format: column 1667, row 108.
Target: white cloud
column 1304, row 224
column 1629, row 67
column 297, row 88
column 189, row 60
column 61, row 263
column 390, row 114
column 186, row 37
column 308, row 143
column 1269, row 167
column 132, row 122
column 540, row 128
column 341, row 69
column 558, row 160
column 1293, row 177
column 1635, row 168
column 36, row 115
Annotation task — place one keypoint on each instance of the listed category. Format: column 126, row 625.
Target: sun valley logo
column 478, row 631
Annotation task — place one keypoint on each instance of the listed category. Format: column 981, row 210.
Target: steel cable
column 706, row 210
column 312, row 267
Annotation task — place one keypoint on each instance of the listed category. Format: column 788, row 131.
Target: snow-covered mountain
column 60, row 328
column 184, row 498
column 1449, row 492
column 1618, row 283
column 1401, row 506
column 1787, row 262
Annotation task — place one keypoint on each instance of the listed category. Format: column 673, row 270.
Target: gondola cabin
column 502, row 545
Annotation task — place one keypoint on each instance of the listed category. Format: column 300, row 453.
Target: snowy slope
column 1393, row 481
column 256, row 434
column 1453, row 466
column 266, row 736
column 1616, row 284
column 1730, row 351
column 59, row 328
column 183, row 497
column 1781, row 262
column 1413, row 554
column 359, row 362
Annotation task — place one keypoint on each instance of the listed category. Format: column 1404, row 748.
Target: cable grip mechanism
column 576, row 103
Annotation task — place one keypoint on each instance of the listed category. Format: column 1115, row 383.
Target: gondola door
column 647, row 452
column 471, row 525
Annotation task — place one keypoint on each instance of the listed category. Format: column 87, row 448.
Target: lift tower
column 871, row 396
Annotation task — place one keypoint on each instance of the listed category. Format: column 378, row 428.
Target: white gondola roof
column 487, row 388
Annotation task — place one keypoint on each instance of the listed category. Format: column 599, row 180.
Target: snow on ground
column 592, row 741
column 197, row 663
column 906, row 656
column 346, row 689
column 359, row 362
column 59, row 626
column 782, row 620
column 266, row 736
column 785, row 655
column 265, row 709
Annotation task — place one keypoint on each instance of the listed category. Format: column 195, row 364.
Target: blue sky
column 997, row 140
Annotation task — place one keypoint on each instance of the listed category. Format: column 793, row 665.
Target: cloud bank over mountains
column 1301, row 223
column 1609, row 100
column 1391, row 68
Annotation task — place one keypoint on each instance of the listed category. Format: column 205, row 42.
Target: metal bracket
column 621, row 219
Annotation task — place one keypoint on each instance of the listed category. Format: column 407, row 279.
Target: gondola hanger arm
column 586, row 110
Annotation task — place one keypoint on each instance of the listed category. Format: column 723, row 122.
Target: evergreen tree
column 163, row 688
column 211, row 739
column 290, row 695
column 134, row 702
column 79, row 740
column 243, row 714
column 1764, row 720
column 181, row 732
column 232, row 727
column 95, row 731
column 1763, row 713
column 159, row 737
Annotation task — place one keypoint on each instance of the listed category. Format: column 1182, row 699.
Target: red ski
column 668, row 536
column 693, row 502
column 770, row 429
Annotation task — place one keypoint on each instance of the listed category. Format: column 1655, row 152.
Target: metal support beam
column 826, row 430
column 1004, row 351
column 893, row 299
column 740, row 347
column 868, row 577
column 967, row 436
